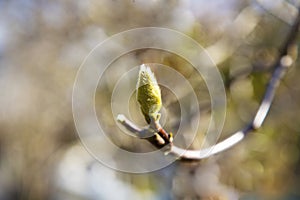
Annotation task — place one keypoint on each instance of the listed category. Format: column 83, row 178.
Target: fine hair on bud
column 148, row 94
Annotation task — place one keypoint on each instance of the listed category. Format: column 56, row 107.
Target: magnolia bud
column 148, row 94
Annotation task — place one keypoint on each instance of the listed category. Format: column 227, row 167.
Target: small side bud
column 159, row 139
column 171, row 137
column 121, row 118
column 148, row 94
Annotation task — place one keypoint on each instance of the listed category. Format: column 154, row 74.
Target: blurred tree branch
column 227, row 45
column 282, row 10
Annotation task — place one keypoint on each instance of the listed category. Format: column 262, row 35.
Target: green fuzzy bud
column 148, row 94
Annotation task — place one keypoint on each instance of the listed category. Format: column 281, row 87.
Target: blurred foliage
column 42, row 45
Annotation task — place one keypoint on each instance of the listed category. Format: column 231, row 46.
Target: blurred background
column 42, row 45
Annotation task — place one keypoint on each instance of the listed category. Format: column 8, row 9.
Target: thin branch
column 150, row 133
column 130, row 126
column 282, row 10
column 280, row 67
